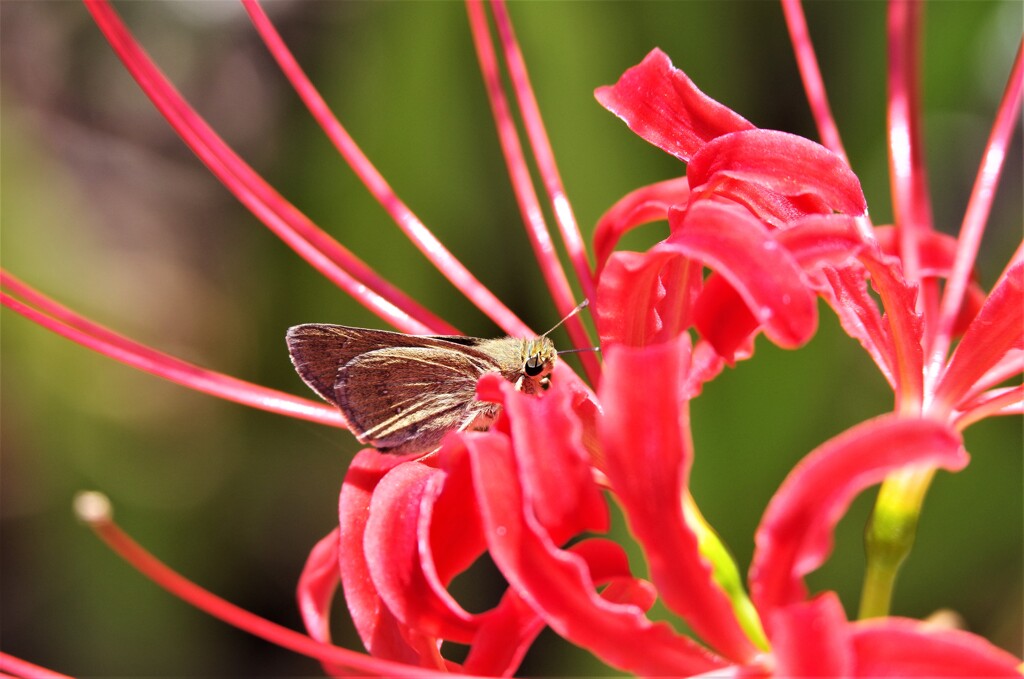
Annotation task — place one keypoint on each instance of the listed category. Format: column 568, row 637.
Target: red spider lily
column 778, row 219
column 428, row 519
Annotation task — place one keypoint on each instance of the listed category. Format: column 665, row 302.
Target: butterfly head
column 538, row 356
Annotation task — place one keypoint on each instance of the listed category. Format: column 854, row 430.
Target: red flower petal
column 392, row 547
column 936, row 252
column 558, row 584
column 450, row 535
column 733, row 243
column 553, row 467
column 646, row 204
column 997, row 329
column 819, row 240
column 795, row 535
column 724, row 320
column 376, row 625
column 904, row 325
column 503, row 637
column 705, row 365
column 608, row 563
column 662, row 105
column 858, row 314
column 317, row 586
column 780, row 163
column 893, row 341
column 895, row 647
column 770, row 206
column 507, row 631
column 647, row 446
column 723, row 316
column 643, row 298
column 811, row 639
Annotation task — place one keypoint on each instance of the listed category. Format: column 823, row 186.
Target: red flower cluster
column 774, row 217
column 761, row 225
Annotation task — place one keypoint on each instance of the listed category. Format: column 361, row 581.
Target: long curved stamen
column 911, row 203
column 542, row 151
column 94, row 510
column 22, row 668
column 817, row 98
column 442, row 259
column 814, row 86
column 284, row 219
column 522, row 184
column 42, row 310
column 977, row 212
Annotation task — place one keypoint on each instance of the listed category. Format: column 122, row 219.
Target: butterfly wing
column 319, row 350
column 404, row 400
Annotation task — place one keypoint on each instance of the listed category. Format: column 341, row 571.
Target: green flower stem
column 725, row 573
column 889, row 536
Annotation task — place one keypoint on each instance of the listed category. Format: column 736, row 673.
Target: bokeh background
column 106, row 210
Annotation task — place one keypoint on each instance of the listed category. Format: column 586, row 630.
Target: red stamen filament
column 40, row 309
column 94, row 510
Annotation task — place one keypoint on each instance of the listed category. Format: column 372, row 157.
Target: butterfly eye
column 534, row 366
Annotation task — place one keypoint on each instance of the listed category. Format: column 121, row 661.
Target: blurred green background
column 105, row 209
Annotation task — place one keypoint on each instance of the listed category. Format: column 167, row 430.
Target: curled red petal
column 662, row 105
column 847, row 294
column 506, row 631
column 795, row 535
column 606, row 559
column 820, row 240
column 318, row 584
column 815, row 241
column 553, row 466
column 903, row 324
column 724, row 319
column 647, row 444
column 376, row 625
column 996, row 330
column 646, row 204
column 898, row 647
column 392, row 547
column 811, row 639
column 643, row 298
column 773, row 208
column 450, row 535
column 705, row 365
column 936, row 252
column 558, row 583
column 639, row 593
column 503, row 637
column 732, row 242
column 783, row 164
column 608, row 563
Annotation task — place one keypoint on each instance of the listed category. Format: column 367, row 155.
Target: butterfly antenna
column 576, row 351
column 579, row 307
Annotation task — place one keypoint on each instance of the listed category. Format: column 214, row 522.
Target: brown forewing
column 319, row 350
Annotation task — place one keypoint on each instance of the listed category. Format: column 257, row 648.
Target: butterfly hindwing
column 405, row 399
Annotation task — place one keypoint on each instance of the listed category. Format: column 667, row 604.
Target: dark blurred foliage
column 105, row 209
